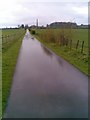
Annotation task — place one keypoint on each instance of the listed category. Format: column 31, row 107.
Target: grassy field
column 50, row 37
column 0, row 73
column 74, row 34
column 9, row 57
column 9, row 37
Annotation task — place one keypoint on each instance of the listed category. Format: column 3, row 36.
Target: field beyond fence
column 76, row 39
column 10, row 36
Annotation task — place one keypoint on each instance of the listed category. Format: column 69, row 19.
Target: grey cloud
column 27, row 11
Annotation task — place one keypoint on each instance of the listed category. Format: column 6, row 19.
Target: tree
column 22, row 26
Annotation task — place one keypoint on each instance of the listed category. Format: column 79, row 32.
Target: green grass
column 6, row 32
column 80, row 34
column 73, row 56
column 0, row 74
column 10, row 36
column 9, row 59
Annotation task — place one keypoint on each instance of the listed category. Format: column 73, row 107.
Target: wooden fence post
column 70, row 44
column 2, row 37
column 82, row 47
column 66, row 42
column 77, row 44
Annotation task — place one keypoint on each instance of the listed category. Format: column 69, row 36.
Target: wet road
column 46, row 86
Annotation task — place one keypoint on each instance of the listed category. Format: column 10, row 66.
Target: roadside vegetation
column 11, row 42
column 71, row 44
column 0, row 73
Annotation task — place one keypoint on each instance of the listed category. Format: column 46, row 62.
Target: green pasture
column 0, row 74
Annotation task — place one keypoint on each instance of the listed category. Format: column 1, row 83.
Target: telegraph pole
column 37, row 23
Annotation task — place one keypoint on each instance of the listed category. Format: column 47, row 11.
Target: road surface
column 45, row 85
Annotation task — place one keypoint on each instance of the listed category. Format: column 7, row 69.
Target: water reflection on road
column 46, row 86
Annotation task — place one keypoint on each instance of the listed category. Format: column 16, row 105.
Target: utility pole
column 37, row 23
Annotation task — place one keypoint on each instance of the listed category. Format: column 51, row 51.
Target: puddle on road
column 46, row 86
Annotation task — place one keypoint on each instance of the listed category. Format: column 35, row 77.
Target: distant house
column 33, row 26
column 83, row 26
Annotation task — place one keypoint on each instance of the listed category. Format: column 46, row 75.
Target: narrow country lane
column 45, row 85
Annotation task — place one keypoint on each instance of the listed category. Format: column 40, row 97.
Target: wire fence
column 76, row 45
column 7, row 40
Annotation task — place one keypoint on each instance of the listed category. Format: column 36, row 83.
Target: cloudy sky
column 16, row 12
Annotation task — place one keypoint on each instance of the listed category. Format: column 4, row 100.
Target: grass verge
column 9, row 59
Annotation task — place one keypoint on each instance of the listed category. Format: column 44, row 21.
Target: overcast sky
column 16, row 12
